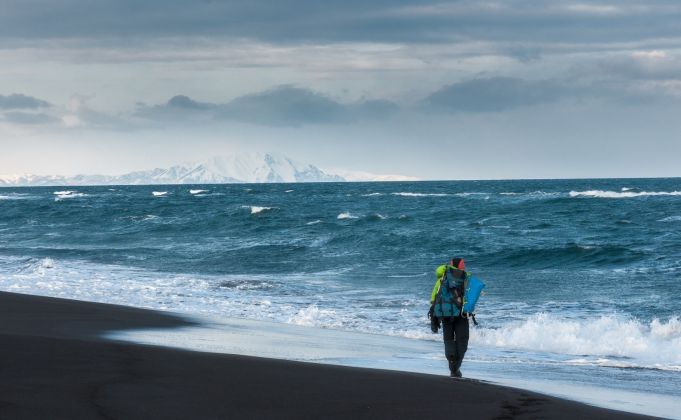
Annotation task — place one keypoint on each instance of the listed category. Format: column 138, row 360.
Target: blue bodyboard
column 472, row 293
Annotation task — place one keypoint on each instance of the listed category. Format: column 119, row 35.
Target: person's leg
column 460, row 327
column 449, row 338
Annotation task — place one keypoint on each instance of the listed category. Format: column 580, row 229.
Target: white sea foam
column 314, row 222
column 312, row 316
column 159, row 193
column 194, row 192
column 468, row 194
column 63, row 195
column 413, row 194
column 623, row 194
column 375, row 194
column 15, row 197
column 346, row 215
column 655, row 345
column 671, row 219
column 288, row 191
column 258, row 209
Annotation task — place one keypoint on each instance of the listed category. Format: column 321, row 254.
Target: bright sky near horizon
column 431, row 89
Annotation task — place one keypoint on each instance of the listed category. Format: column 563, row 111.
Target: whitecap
column 671, row 219
column 375, row 194
column 257, row 209
column 413, row 194
column 159, row 193
column 67, row 194
column 468, row 194
column 314, row 222
column 623, row 194
column 346, row 215
column 15, row 197
column 288, row 191
column 193, row 192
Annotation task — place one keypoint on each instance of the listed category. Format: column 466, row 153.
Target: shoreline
column 56, row 363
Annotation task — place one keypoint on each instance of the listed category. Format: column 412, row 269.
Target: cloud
column 650, row 65
column 184, row 102
column 284, row 105
column 392, row 21
column 493, row 94
column 19, row 101
column 28, row 118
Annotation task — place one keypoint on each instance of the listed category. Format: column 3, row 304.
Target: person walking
column 446, row 302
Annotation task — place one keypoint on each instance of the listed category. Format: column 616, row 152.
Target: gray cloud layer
column 19, row 101
column 281, row 106
column 494, row 94
column 400, row 21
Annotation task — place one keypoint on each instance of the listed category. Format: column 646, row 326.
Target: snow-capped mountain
column 237, row 168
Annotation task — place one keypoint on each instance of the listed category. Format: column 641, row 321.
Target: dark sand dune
column 54, row 366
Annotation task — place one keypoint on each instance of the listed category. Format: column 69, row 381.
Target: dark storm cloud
column 494, row 94
column 19, row 101
column 539, row 21
column 284, row 105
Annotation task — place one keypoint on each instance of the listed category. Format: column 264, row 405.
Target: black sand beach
column 53, row 365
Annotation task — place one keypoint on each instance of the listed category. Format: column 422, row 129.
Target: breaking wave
column 62, row 195
column 413, row 194
column 622, row 194
column 346, row 215
column 159, row 193
column 607, row 341
column 258, row 209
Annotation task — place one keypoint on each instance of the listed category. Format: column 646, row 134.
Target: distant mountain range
column 236, row 168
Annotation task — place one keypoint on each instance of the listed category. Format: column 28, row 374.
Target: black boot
column 454, row 371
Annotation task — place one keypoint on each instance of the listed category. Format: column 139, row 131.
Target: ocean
column 583, row 276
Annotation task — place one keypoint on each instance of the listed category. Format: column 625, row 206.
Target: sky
column 427, row 89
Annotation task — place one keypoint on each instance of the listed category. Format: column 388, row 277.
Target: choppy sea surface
column 583, row 276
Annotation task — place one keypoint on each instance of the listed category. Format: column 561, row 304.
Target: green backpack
column 449, row 298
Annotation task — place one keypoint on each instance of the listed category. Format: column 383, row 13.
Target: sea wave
column 608, row 339
column 622, row 194
column 568, row 255
column 159, row 193
column 194, row 192
column 313, row 316
column 258, row 209
column 15, row 197
column 346, row 215
column 414, row 194
column 671, row 219
column 62, row 195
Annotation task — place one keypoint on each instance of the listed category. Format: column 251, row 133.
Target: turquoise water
column 583, row 276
